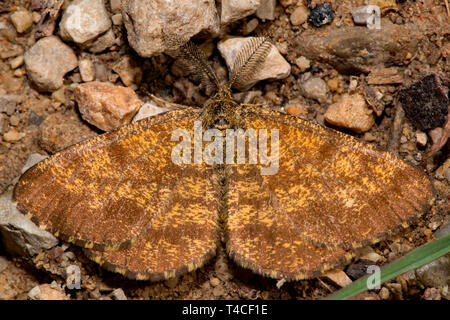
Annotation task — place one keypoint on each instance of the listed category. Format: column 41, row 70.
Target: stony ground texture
column 321, row 73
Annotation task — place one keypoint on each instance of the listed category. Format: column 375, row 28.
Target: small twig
column 325, row 285
column 448, row 9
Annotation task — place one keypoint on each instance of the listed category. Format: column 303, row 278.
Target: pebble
column 358, row 269
column 14, row 120
column 296, row 108
column 436, row 134
column 431, row 294
column 315, row 88
column 172, row 282
column 273, row 67
column 302, row 63
column 396, row 290
column 59, row 95
column 87, row 70
column 13, row 136
column 338, row 277
column 250, row 26
column 299, row 15
column 367, row 15
column 214, row 281
column 20, row 236
column 436, row 273
column 181, row 19
column 218, row 292
column 46, row 292
column 117, row 19
column 16, row 62
column 351, row 112
column 148, row 109
column 47, row 61
column 425, row 101
column 115, row 5
column 369, row 254
column 444, row 171
column 232, row 10
column 384, row 293
column 130, row 73
column 333, row 84
column 33, row 159
column 105, row 105
column 421, row 139
column 103, row 42
column 266, row 10
column 118, row 294
column 322, row 14
column 22, row 20
column 36, row 16
column 84, row 20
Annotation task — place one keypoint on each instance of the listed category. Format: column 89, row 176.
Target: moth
column 122, row 197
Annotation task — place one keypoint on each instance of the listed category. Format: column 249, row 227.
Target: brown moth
column 121, row 196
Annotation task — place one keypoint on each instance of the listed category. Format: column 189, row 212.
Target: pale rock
column 117, row 19
column 250, row 26
column 84, row 20
column 47, row 61
column 338, row 277
column 46, row 292
column 148, row 109
column 22, row 20
column 315, row 88
column 302, row 63
column 118, row 294
column 299, row 15
column 421, row 138
column 273, row 67
column 16, row 62
column 128, row 70
column 36, row 16
column 436, row 134
column 266, row 10
column 59, row 95
column 436, row 273
column 115, row 5
column 351, row 112
column 13, row 136
column 105, row 105
column 33, row 159
column 146, row 20
column 234, row 10
column 87, row 70
column 19, row 235
column 105, row 41
column 384, row 293
column 371, row 256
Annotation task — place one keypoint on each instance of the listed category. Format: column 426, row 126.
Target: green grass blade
column 416, row 258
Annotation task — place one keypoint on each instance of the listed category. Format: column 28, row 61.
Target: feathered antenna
column 253, row 53
column 195, row 61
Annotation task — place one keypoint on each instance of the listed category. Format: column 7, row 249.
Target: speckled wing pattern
column 104, row 193
column 178, row 240
column 331, row 193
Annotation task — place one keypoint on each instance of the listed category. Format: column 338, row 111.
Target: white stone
column 273, row 67
column 315, row 88
column 19, row 235
column 234, row 10
column 367, row 15
column 266, row 10
column 84, row 20
column 302, row 63
column 421, row 138
column 146, row 20
column 87, row 70
column 47, row 61
column 148, row 109
column 22, row 20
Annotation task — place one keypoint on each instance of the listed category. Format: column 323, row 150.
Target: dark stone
column 321, row 15
column 34, row 119
column 359, row 269
column 425, row 101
